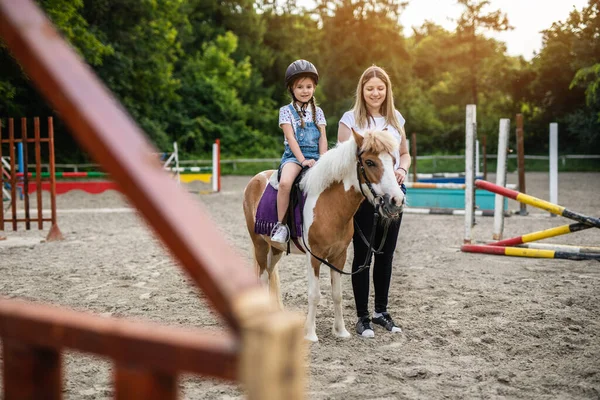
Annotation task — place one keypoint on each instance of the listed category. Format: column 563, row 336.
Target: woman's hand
column 308, row 163
column 400, row 175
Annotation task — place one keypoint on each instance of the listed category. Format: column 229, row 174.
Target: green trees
column 474, row 20
column 197, row 70
column 212, row 106
column 566, row 80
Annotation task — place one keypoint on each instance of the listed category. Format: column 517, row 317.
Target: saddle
column 266, row 214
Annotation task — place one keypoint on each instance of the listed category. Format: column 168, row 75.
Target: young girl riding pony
column 303, row 125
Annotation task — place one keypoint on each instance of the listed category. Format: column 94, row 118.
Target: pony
column 361, row 168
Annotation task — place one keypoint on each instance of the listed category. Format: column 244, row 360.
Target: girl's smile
column 304, row 90
column 374, row 93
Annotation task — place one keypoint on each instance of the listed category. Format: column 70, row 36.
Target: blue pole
column 21, row 163
column 20, row 157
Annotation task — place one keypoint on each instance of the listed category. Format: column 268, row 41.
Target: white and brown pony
column 334, row 187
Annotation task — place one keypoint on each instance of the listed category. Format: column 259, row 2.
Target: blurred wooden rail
column 267, row 344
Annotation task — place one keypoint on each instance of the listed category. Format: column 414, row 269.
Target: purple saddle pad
column 266, row 215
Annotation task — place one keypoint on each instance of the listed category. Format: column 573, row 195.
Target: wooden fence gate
column 25, row 180
column 264, row 348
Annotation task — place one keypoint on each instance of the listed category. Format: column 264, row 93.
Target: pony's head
column 375, row 164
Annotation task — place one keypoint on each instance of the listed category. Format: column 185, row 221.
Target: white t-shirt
column 380, row 124
column 285, row 117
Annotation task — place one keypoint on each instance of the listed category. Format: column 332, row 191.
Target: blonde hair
column 388, row 110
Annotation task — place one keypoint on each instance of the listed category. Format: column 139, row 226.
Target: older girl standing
column 374, row 110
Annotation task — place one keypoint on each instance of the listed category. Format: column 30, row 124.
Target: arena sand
column 474, row 326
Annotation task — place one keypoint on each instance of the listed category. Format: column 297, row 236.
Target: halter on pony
column 378, row 203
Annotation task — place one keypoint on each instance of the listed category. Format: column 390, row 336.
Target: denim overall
column 307, row 138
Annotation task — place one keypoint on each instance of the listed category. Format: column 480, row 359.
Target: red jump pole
column 547, row 233
column 538, row 203
column 525, row 252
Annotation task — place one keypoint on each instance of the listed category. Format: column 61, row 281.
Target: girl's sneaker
column 384, row 319
column 280, row 233
column 364, row 327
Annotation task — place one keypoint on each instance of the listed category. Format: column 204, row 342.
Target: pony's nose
column 397, row 201
column 394, row 201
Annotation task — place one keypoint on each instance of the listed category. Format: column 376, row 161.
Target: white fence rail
column 562, row 159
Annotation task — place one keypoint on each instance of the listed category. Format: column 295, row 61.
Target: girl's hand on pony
column 400, row 175
column 308, row 163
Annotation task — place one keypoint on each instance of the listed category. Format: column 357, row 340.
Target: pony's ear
column 357, row 138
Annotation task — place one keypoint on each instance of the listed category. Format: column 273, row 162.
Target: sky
column 528, row 17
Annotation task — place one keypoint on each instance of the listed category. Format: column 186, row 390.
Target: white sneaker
column 280, row 233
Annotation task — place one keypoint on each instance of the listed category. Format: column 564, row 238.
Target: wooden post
column 273, row 352
column 553, row 163
column 38, row 171
column 31, row 372
column 139, row 384
column 484, row 147
column 414, row 156
column 25, row 172
column 13, row 171
column 1, row 182
column 477, row 168
column 54, row 233
column 470, row 136
column 521, row 161
column 501, row 178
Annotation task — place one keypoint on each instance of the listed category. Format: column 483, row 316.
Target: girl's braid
column 300, row 114
column 314, row 109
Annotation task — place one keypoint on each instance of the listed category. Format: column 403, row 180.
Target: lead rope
column 367, row 263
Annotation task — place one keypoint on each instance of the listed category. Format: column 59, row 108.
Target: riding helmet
column 301, row 68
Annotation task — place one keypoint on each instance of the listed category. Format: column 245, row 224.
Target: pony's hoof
column 342, row 335
column 311, row 337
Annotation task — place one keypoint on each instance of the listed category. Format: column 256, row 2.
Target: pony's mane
column 379, row 142
column 340, row 161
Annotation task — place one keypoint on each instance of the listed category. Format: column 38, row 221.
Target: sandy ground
column 474, row 326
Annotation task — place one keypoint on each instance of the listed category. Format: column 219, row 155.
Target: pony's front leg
column 314, row 296
column 274, row 287
column 339, row 327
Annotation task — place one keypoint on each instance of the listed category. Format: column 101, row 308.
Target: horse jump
column 505, row 247
column 9, row 176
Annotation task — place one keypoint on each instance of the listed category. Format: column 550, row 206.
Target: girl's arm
column 322, row 140
column 344, row 133
column 288, row 131
column 405, row 159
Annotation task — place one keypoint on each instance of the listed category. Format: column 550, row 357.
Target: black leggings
column 382, row 270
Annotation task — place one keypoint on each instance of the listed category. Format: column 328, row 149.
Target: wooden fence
column 22, row 179
column 264, row 347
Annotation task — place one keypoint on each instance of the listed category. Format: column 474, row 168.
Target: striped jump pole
column 547, row 233
column 538, row 203
column 561, row 247
column 449, row 185
column 525, row 252
column 91, row 174
column 191, row 169
column 447, row 211
column 426, row 185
